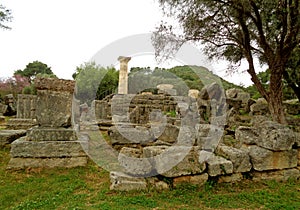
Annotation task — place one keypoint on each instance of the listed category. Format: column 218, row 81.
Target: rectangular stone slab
column 67, row 162
column 51, row 134
column 8, row 136
column 46, row 149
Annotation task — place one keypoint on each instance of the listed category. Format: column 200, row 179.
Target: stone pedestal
column 53, row 143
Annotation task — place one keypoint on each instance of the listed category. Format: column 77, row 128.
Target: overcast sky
column 66, row 33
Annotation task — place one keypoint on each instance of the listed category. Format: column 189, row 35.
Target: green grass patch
column 88, row 188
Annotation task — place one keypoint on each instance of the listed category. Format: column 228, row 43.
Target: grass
column 88, row 188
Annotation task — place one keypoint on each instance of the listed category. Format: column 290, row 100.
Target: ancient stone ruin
column 25, row 119
column 53, row 143
column 201, row 142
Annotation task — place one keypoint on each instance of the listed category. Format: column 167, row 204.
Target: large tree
column 33, row 69
column 5, row 16
column 238, row 30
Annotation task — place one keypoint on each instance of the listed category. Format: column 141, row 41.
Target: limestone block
column 244, row 97
column 297, row 139
column 169, row 134
column 264, row 159
column 211, row 91
column 193, row 93
column 239, row 158
column 17, row 123
column 233, row 102
column 176, row 160
column 279, row 175
column 260, row 107
column 54, row 84
column 236, row 177
column 232, row 92
column 3, row 108
column 216, row 165
column 46, row 149
column 196, row 179
column 275, row 136
column 51, row 134
column 130, row 135
column 247, row 135
column 18, row 163
column 132, row 162
column 123, row 182
column 155, row 183
column 8, row 136
column 54, row 109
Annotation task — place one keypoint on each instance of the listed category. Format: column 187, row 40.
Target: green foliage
column 264, row 78
column 33, row 69
column 95, row 82
column 5, row 16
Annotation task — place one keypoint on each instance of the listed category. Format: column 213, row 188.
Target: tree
column 94, row 82
column 33, row 69
column 238, row 30
column 13, row 85
column 292, row 73
column 5, row 16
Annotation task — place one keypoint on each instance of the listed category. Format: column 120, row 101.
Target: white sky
column 66, row 33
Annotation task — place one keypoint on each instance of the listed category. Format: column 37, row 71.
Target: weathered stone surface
column 233, row 102
column 211, row 91
column 247, row 135
column 275, row 136
column 169, row 134
column 264, row 159
column 18, row 123
column 232, row 92
column 54, row 84
column 51, row 134
column 196, row 179
column 236, row 177
column 67, row 162
column 297, row 139
column 216, row 165
column 193, row 93
column 292, row 106
column 239, row 158
column 8, row 136
column 132, row 162
column 176, row 160
column 46, row 149
column 26, row 106
column 130, row 135
column 3, row 108
column 54, row 109
column 123, row 182
column 280, row 175
column 155, row 183
column 260, row 107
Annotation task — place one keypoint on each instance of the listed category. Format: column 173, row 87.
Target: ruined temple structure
column 25, row 119
column 53, row 143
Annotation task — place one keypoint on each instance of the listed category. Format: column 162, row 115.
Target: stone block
column 8, row 136
column 54, row 109
column 123, row 182
column 299, row 157
column 130, row 135
column 51, row 134
column 239, row 158
column 247, row 135
column 264, row 159
column 236, row 177
column 169, row 134
column 66, row 162
column 175, row 161
column 46, row 149
column 133, row 164
column 275, row 136
column 279, row 175
column 54, row 84
column 216, row 165
column 155, row 183
column 17, row 124
column 196, row 179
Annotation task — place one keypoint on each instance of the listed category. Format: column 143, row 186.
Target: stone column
column 123, row 75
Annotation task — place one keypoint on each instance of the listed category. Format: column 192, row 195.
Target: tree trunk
column 275, row 95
